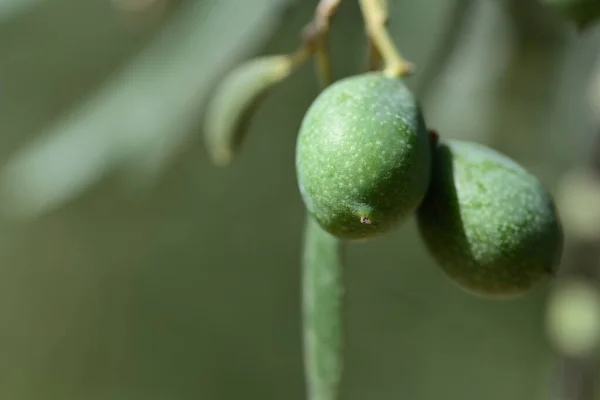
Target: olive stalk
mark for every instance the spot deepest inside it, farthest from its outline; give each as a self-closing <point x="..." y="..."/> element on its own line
<point x="322" y="289"/>
<point x="316" y="38"/>
<point x="315" y="41"/>
<point x="376" y="17"/>
<point x="374" y="56"/>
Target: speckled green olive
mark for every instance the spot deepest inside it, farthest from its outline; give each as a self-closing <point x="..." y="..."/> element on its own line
<point x="584" y="13"/>
<point x="489" y="224"/>
<point x="363" y="156"/>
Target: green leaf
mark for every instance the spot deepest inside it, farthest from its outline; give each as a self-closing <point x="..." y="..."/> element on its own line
<point x="235" y="100"/>
<point x="322" y="312"/>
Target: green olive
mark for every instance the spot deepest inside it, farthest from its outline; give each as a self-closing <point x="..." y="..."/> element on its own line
<point x="489" y="224"/>
<point x="363" y="156"/>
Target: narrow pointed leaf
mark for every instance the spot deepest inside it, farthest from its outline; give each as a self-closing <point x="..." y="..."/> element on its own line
<point x="234" y="101"/>
<point x="322" y="311"/>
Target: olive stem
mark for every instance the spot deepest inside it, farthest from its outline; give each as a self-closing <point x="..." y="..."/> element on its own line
<point x="322" y="290"/>
<point x="374" y="57"/>
<point x="376" y="16"/>
<point x="301" y="56"/>
<point x="374" y="53"/>
<point x="316" y="38"/>
<point x="323" y="61"/>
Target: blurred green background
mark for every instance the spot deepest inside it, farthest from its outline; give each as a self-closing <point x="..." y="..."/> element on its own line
<point x="131" y="268"/>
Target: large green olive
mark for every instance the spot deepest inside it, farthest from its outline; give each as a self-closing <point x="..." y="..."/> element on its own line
<point x="363" y="156"/>
<point x="491" y="225"/>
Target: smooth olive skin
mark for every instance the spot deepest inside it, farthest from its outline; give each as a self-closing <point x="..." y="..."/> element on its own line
<point x="490" y="225"/>
<point x="363" y="156"/>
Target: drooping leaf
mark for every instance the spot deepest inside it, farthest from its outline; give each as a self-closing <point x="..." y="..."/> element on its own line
<point x="234" y="101"/>
<point x="322" y="287"/>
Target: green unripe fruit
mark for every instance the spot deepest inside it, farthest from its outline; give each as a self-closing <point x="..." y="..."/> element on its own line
<point x="363" y="156"/>
<point x="584" y="13"/>
<point x="490" y="225"/>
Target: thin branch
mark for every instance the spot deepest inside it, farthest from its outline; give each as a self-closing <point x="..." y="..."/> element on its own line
<point x="316" y="38"/>
<point x="376" y="17"/>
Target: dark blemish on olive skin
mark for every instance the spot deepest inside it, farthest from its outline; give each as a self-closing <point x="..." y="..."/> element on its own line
<point x="365" y="220"/>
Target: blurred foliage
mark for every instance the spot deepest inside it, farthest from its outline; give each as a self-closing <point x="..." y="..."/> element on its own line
<point x="574" y="318"/>
<point x="190" y="288"/>
<point x="10" y="9"/>
<point x="159" y="91"/>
